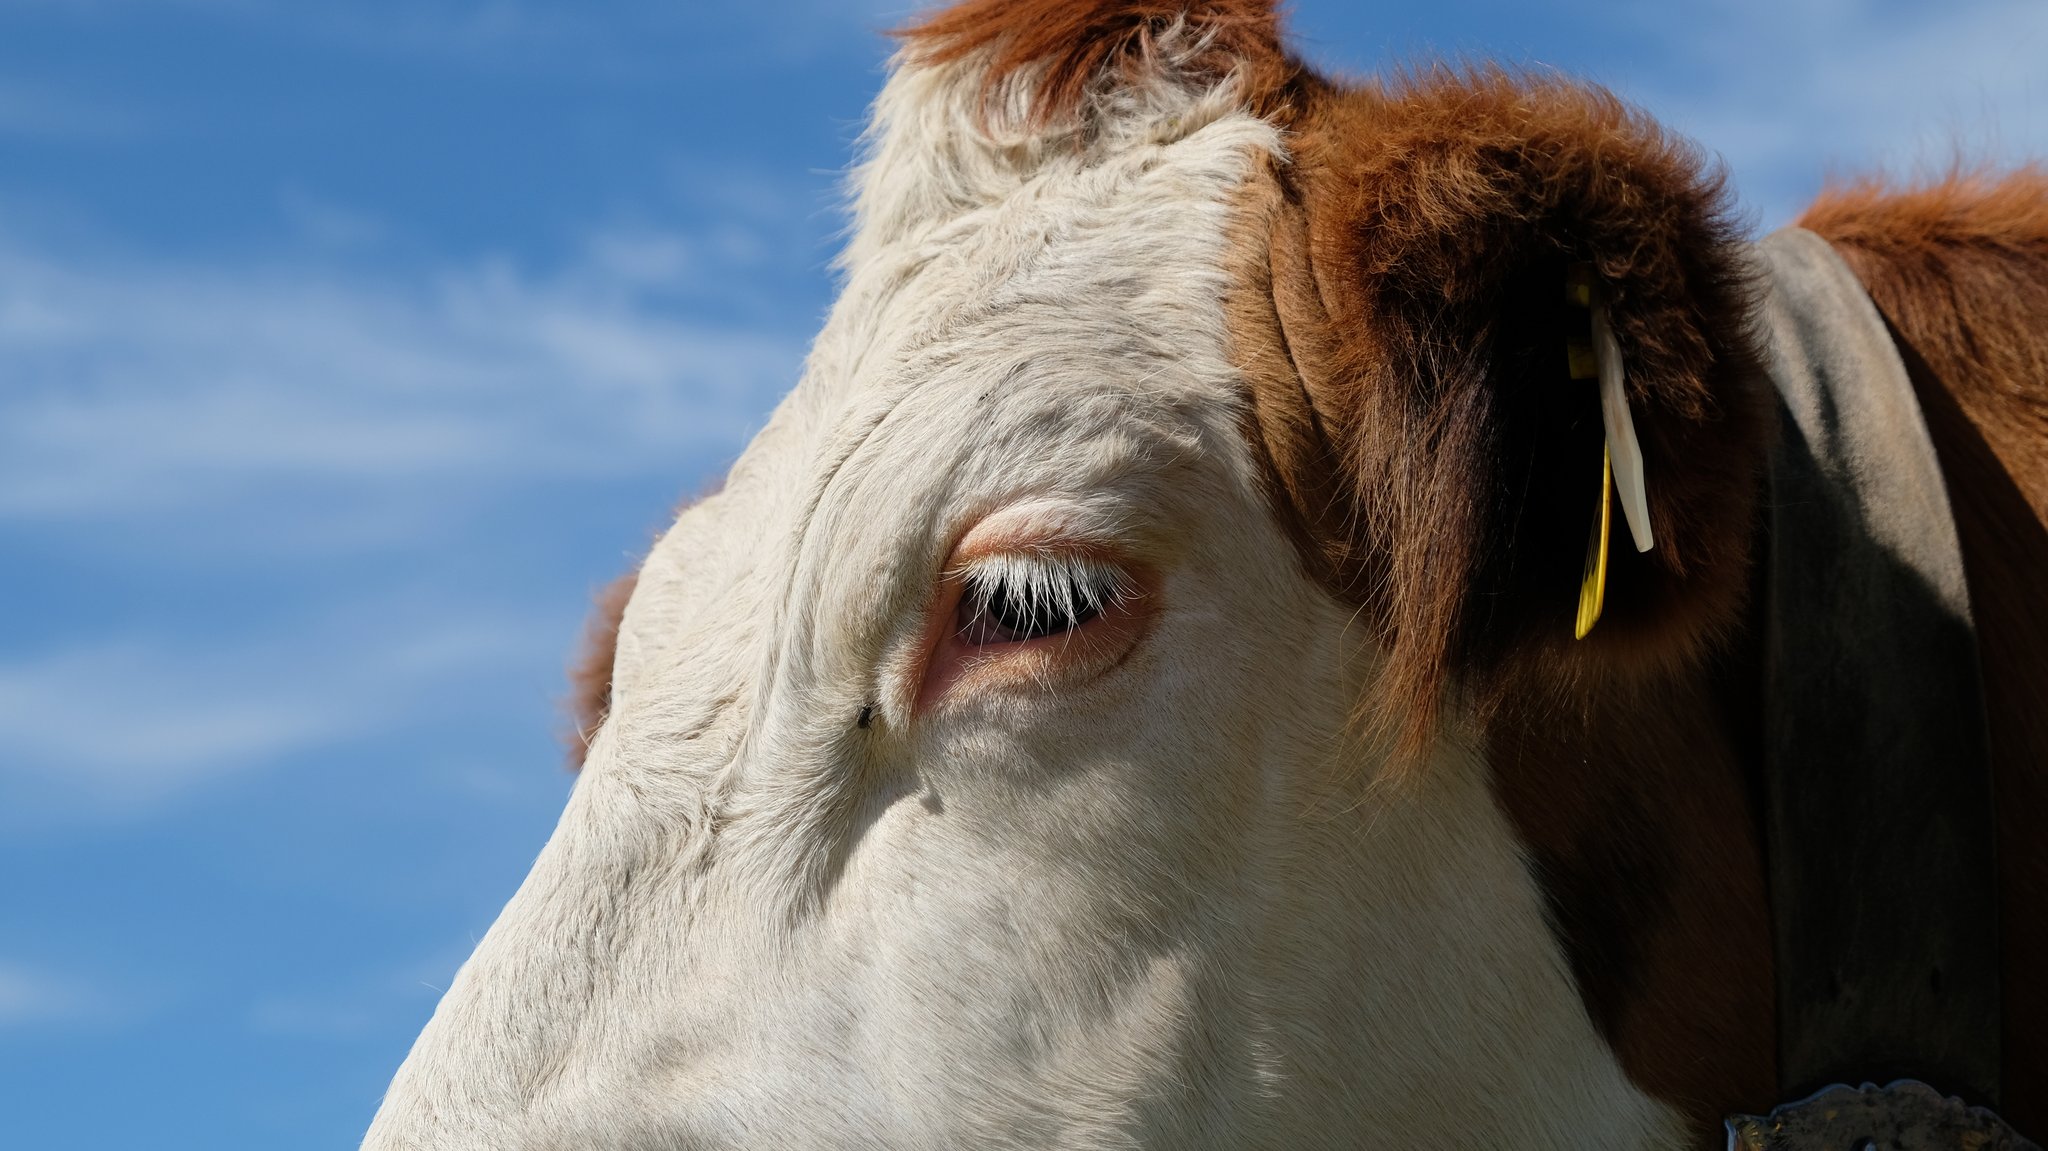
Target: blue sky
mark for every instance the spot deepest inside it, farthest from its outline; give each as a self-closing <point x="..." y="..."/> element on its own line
<point x="345" y="348"/>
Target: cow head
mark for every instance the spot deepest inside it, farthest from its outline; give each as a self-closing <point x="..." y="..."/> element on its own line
<point x="1064" y="726"/>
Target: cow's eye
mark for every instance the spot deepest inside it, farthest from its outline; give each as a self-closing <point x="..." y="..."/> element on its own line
<point x="1014" y="599"/>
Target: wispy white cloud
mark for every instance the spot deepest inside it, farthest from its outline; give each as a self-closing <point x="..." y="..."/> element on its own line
<point x="128" y="723"/>
<point x="118" y="727"/>
<point x="1791" y="91"/>
<point x="36" y="110"/>
<point x="143" y="387"/>
<point x="188" y="416"/>
<point x="550" y="32"/>
<point x="34" y="997"/>
<point x="633" y="37"/>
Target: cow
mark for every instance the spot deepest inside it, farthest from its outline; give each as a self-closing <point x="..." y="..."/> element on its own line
<point x="1132" y="692"/>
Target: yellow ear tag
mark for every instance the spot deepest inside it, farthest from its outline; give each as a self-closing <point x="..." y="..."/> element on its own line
<point x="1593" y="585"/>
<point x="1621" y="456"/>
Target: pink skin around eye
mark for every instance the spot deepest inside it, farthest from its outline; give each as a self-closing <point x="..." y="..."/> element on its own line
<point x="955" y="665"/>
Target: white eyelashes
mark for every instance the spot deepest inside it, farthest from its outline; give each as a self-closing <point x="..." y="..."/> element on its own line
<point x="1012" y="597"/>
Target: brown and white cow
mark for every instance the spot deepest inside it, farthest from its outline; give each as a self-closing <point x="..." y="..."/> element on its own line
<point x="1127" y="695"/>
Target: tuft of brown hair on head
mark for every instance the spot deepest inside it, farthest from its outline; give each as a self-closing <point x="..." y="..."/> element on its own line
<point x="590" y="673"/>
<point x="1064" y="47"/>
<point x="1427" y="437"/>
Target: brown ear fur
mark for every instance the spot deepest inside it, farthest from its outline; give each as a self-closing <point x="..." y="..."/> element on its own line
<point x="590" y="674"/>
<point x="1061" y="48"/>
<point x="1444" y="469"/>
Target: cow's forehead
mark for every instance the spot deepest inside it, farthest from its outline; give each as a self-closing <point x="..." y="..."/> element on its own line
<point x="1082" y="242"/>
<point x="1063" y="332"/>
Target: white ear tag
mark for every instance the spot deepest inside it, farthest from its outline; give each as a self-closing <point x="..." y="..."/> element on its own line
<point x="1622" y="449"/>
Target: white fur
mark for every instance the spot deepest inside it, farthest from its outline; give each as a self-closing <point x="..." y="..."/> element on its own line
<point x="1173" y="906"/>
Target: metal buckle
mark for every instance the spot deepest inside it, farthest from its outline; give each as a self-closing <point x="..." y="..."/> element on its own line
<point x="1905" y="1115"/>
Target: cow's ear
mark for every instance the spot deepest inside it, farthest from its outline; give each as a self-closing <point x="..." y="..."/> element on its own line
<point x="1435" y="441"/>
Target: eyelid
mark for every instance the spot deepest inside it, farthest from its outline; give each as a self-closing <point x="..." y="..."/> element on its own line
<point x="1041" y="527"/>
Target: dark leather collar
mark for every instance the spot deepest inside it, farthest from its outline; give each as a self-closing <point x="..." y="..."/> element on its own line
<point x="1877" y="780"/>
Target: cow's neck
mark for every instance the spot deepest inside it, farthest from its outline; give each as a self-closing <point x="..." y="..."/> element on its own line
<point x="1638" y="813"/>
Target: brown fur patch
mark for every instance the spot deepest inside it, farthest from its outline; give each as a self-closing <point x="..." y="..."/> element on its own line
<point x="1444" y="465"/>
<point x="590" y="674"/>
<point x="1398" y="306"/>
<point x="1959" y="269"/>
<point x="1063" y="48"/>
<point x="1636" y="813"/>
